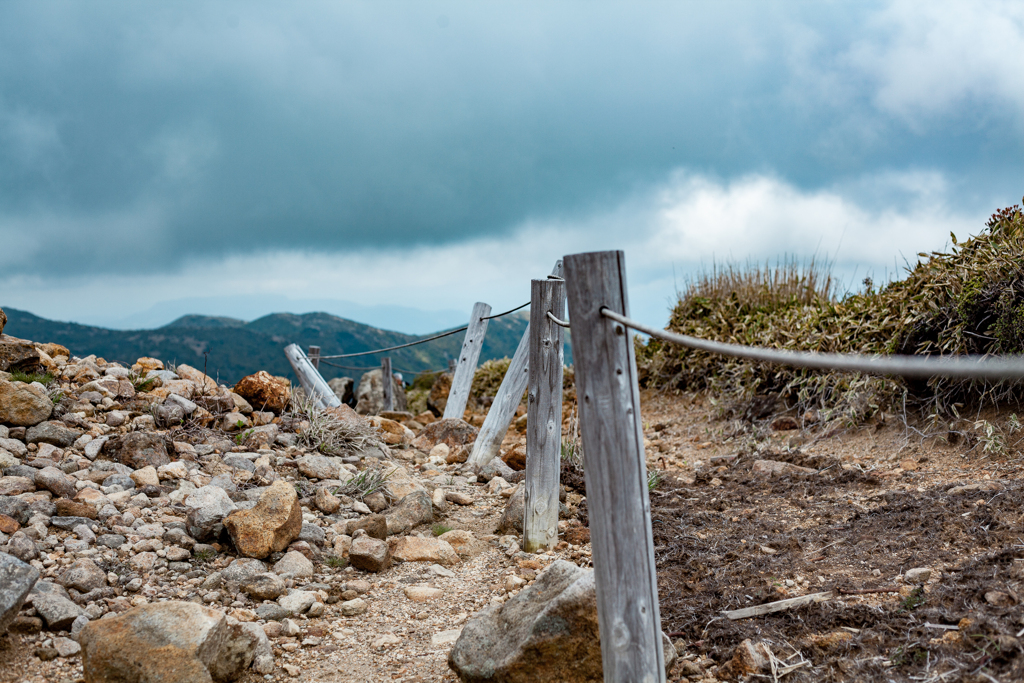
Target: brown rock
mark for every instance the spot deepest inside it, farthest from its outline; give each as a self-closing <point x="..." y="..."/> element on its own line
<point x="326" y="502"/>
<point x="205" y="383"/>
<point x="3" y="320"/>
<point x="166" y="642"/>
<point x="141" y="449"/>
<point x="263" y="391"/>
<point x="452" y="432"/>
<point x="270" y="526"/>
<point x="515" y="457"/>
<point x="426" y="417"/>
<point x="71" y="508"/>
<point x="18" y="354"/>
<point x="392" y="433"/>
<point x="8" y="525"/>
<point x="458" y="455"/>
<point x="437" y="399"/>
<point x="23" y="404"/>
<point x="784" y="423"/>
<point x="749" y="658"/>
<point x="375" y="526"/>
<point x="413" y="549"/>
<point x="145" y="364"/>
<point x="369" y="554"/>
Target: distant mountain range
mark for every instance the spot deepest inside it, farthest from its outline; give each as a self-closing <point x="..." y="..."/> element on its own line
<point x="232" y="349"/>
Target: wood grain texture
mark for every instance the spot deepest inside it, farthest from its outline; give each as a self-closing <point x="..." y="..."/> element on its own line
<point x="544" y="416"/>
<point x="310" y="379"/>
<point x="615" y="470"/>
<point x="472" y="343"/>
<point x="314" y="356"/>
<point x="506" y="402"/>
<point x="387" y="383"/>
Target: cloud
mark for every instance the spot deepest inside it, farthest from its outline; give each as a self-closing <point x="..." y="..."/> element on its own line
<point x="686" y="222"/>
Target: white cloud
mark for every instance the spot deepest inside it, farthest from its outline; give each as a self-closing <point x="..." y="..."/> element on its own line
<point x="669" y="231"/>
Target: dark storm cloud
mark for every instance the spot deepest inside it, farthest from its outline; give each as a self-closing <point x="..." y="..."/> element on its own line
<point x="136" y="135"/>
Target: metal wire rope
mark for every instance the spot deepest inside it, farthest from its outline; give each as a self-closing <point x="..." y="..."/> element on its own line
<point x="964" y="367"/>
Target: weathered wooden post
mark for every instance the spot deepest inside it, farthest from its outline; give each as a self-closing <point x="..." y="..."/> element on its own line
<point x="462" y="382"/>
<point x="544" y="416"/>
<point x="314" y="356"/>
<point x="510" y="393"/>
<point x="451" y="365"/>
<point x="388" y="383"/>
<point x="615" y="470"/>
<point x="310" y="379"/>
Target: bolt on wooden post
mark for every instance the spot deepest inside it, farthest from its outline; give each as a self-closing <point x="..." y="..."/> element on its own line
<point x="388" y="383"/>
<point x="615" y="470"/>
<point x="544" y="416"/>
<point x="472" y="343"/>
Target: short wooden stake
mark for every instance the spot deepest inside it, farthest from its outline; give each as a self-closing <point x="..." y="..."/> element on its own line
<point x="388" y="381"/>
<point x="615" y="470"/>
<point x="506" y="402"/>
<point x="472" y="343"/>
<point x="314" y="356"/>
<point x="310" y="379"/>
<point x="544" y="417"/>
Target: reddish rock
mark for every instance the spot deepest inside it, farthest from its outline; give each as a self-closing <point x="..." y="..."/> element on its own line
<point x="270" y="526"/>
<point x="74" y="508"/>
<point x="8" y="525"/>
<point x="515" y="457"/>
<point x="263" y="391"/>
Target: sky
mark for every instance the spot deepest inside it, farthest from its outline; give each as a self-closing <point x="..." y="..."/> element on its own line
<point x="396" y="162"/>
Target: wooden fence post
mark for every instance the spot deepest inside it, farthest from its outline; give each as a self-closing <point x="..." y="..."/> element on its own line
<point x="510" y="393"/>
<point x="310" y="379"/>
<point x="314" y="356"/>
<point x="544" y="416"/>
<point x="462" y="382"/>
<point x="615" y="470"/>
<point x="388" y="382"/>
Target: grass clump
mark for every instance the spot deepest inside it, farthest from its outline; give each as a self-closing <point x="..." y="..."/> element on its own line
<point x="336" y="562"/>
<point x="439" y="529"/>
<point x="29" y="377"/>
<point x="325" y="432"/>
<point x="367" y="482"/>
<point x="967" y="301"/>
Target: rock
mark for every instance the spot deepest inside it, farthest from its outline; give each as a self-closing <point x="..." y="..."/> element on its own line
<point x="141" y="449"/>
<point x="437" y="399"/>
<point x="14" y="486"/>
<point x="375" y="502"/>
<point x="233" y="422"/>
<point x="55" y="433"/>
<point x="438" y="501"/>
<point x="512" y="519"/>
<point x="375" y="526"/>
<point x="56" y="482"/>
<point x="265" y="586"/>
<point x="547" y="632"/>
<point x="166" y="642"/>
<point x="917" y="576"/>
<point x="56" y="610"/>
<point x="243" y="569"/>
<point x="66" y="647"/>
<point x="18" y="354"/>
<point x="16" y="580"/>
<point x="784" y="423"/>
<point x="15" y="508"/>
<point x="749" y="658"/>
<point x="17" y="448"/>
<point x="369" y="554"/>
<point x="74" y="508"/>
<point x="391" y="432"/>
<point x="3" y="320"/>
<point x="459" y="498"/>
<point x="411" y="511"/>
<point x="270" y="526"/>
<point x="173" y="470"/>
<point x="422" y="593"/>
<point x="451" y="432"/>
<point x="83" y="575"/>
<point x="23" y="404"/>
<point x="206" y="509"/>
<point x="370" y="394"/>
<point x="263" y="391"/>
<point x="354" y="607"/>
<point x="297" y="602"/>
<point x="322" y="467"/>
<point x="774" y="468"/>
<point x="458" y="539"/>
<point x="325" y="501"/>
<point x="343" y="389"/>
<point x="515" y="457"/>
<point x="413" y="549"/>
<point x="22" y="547"/>
<point x="400" y="483"/>
<point x="445" y="638"/>
<point x="294" y="565"/>
<point x="8" y="525"/>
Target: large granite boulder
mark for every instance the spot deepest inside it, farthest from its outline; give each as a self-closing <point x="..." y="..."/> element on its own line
<point x="166" y="642"/>
<point x="547" y="632"/>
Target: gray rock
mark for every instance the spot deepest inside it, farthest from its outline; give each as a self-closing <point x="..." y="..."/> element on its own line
<point x="16" y="580"/>
<point x="22" y="547"/>
<point x="186" y="405"/>
<point x="14" y="446"/>
<point x="272" y="612"/>
<point x="111" y="540"/>
<point x="170" y="642"/>
<point x="320" y="467"/>
<point x="15" y="508"/>
<point x="57" y="611"/>
<point x="547" y="632"/>
<point x="69" y="523"/>
<point x="294" y="565"/>
<point x="354" y="607"/>
<point x="83" y="575"/>
<point x="297" y="602"/>
<point x="207" y="507"/>
<point x="264" y="586"/>
<point x="311" y="533"/>
<point x="55" y="433"/>
<point x="141" y="449"/>
<point x="263" y="660"/>
<point x="118" y="479"/>
<point x="917" y="576"/>
<point x="239" y="463"/>
<point x="243" y="569"/>
<point x="512" y="519"/>
<point x="66" y="647"/>
<point x="411" y="511"/>
<point x="93" y="448"/>
<point x="343" y="389"/>
<point x="165" y="415"/>
<point x="56" y="482"/>
<point x="496" y="467"/>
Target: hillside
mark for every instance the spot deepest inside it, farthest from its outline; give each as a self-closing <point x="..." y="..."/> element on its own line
<point x="234" y="348"/>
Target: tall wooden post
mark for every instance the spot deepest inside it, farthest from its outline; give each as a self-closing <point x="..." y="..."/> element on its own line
<point x="314" y="356"/>
<point x="544" y="416"/>
<point x="472" y="343"/>
<point x="615" y="470"/>
<point x="310" y="379"/>
<point x="506" y="402"/>
<point x="388" y="383"/>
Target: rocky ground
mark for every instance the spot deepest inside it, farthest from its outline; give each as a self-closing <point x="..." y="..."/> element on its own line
<point x="332" y="546"/>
